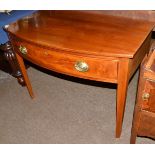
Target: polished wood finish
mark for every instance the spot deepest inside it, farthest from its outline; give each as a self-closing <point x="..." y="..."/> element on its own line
<point x="148" y="15"/>
<point x="112" y="47"/>
<point x="100" y="69"/>
<point x="24" y="73"/>
<point x="144" y="115"/>
<point x="137" y="59"/>
<point x="123" y="78"/>
<point x="74" y="32"/>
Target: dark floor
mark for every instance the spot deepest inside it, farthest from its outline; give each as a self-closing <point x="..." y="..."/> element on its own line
<point x="63" y="111"/>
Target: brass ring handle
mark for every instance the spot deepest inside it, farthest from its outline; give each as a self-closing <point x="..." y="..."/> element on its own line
<point x="23" y="50"/>
<point x="81" y="66"/>
<point x="145" y="96"/>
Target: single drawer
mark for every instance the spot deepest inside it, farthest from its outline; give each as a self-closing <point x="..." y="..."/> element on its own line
<point x="99" y="69"/>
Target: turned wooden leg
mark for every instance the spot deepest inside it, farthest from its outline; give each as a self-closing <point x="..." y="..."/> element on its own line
<point x="24" y="73"/>
<point x="123" y="73"/>
<point x="11" y="58"/>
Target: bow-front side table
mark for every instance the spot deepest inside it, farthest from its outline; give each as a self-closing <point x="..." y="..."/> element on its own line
<point x="86" y="45"/>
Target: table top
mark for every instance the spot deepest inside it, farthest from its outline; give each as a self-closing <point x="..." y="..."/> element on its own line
<point x="83" y="32"/>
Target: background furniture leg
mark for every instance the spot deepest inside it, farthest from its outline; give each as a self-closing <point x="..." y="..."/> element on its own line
<point x="137" y="109"/>
<point x="11" y="58"/>
<point x="135" y="125"/>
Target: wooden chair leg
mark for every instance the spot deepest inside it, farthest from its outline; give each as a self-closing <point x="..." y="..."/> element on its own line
<point x="25" y="76"/>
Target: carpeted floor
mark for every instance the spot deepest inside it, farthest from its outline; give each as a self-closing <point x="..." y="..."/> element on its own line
<point x="64" y="111"/>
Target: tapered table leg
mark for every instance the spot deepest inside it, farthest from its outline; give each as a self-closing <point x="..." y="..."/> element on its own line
<point x="123" y="76"/>
<point x="11" y="58"/>
<point x="24" y="73"/>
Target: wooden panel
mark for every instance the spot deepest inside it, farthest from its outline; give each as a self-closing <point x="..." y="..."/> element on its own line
<point x="104" y="69"/>
<point x="148" y="15"/>
<point x="152" y="100"/>
<point x="147" y="124"/>
<point x="137" y="59"/>
<point x="149" y="104"/>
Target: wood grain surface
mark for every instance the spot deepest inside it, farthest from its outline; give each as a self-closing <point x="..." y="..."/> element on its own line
<point x="88" y="33"/>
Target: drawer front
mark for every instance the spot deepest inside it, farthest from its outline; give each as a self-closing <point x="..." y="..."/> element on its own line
<point x="104" y="69"/>
<point x="149" y="96"/>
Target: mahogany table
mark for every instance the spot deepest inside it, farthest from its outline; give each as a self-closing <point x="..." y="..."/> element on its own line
<point x="86" y="45"/>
